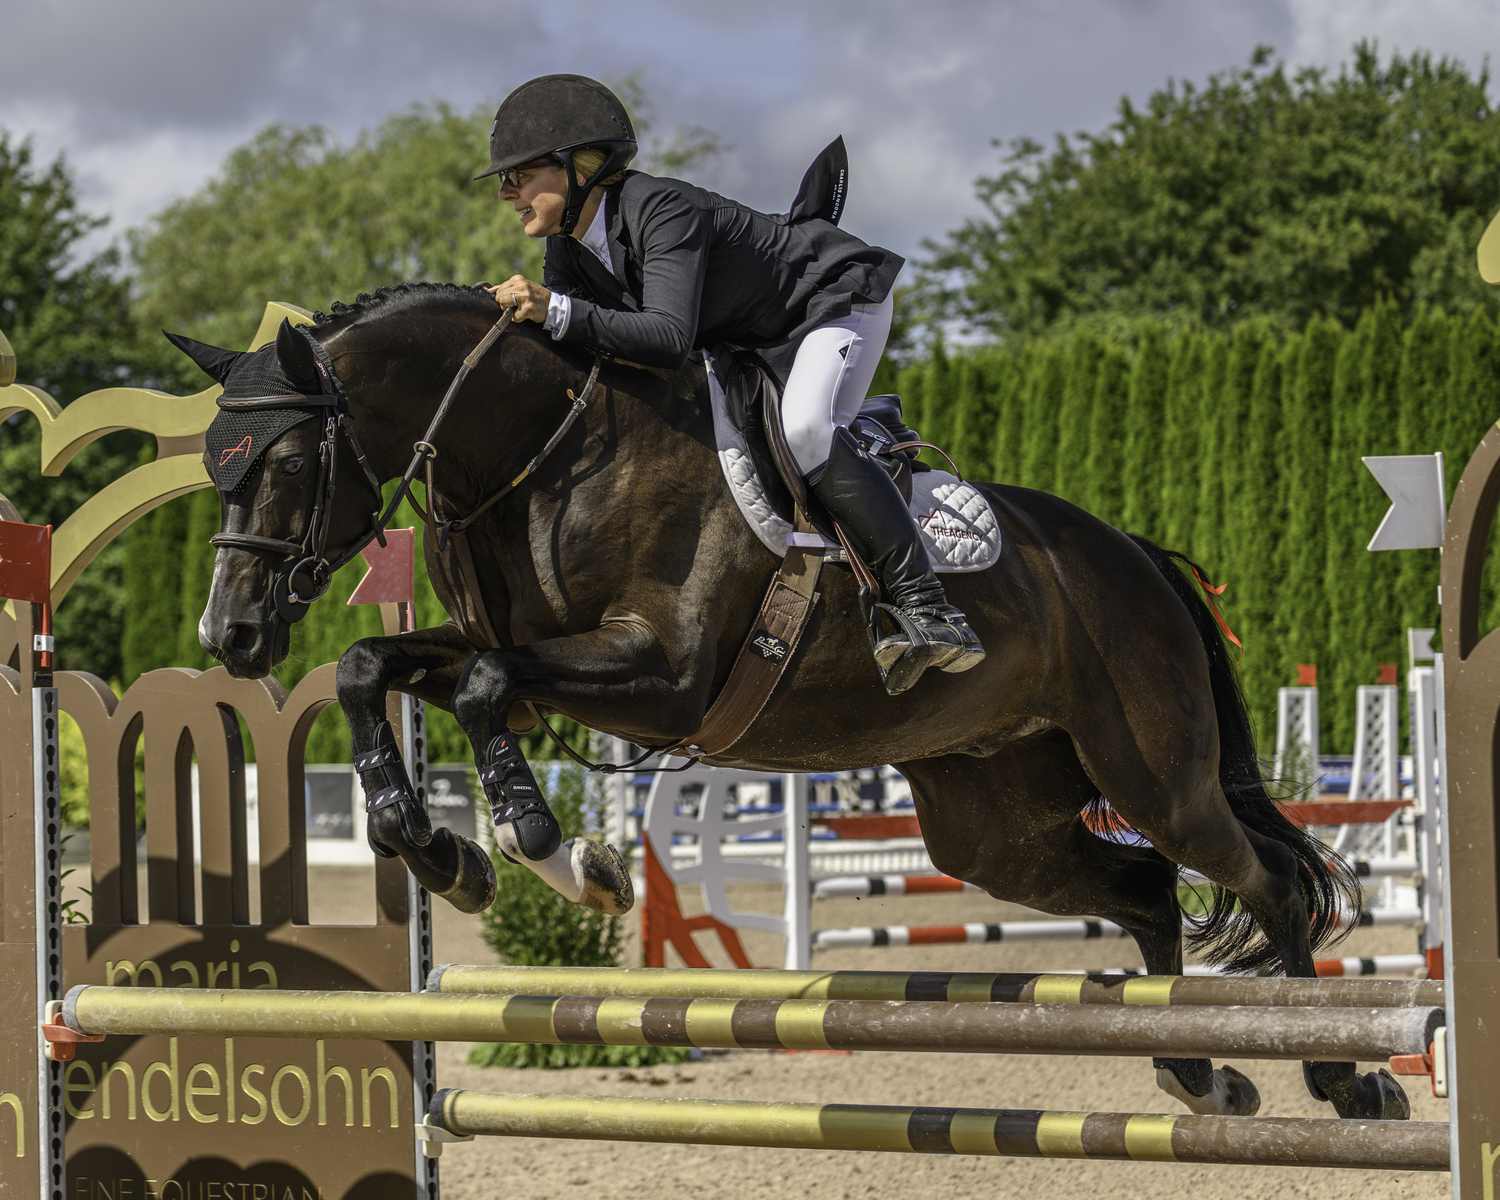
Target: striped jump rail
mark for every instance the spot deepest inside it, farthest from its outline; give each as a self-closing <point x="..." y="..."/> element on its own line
<point x="1327" y="968"/>
<point x="864" y="886"/>
<point x="1013" y="1133"/>
<point x="1339" y="1034"/>
<point x="951" y="986"/>
<point x="865" y="937"/>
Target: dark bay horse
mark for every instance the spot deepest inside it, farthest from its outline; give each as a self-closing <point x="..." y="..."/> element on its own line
<point x="621" y="580"/>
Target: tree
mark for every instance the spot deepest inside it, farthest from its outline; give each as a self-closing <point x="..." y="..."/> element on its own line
<point x="1150" y="377"/>
<point x="1041" y="400"/>
<point x="1005" y="380"/>
<point x="68" y="318"/>
<point x="1284" y="194"/>
<point x="1208" y="514"/>
<point x="1423" y="387"/>
<point x="295" y="216"/>
<point x="1302" y="601"/>
<point x="1346" y="635"/>
<point x="1259" y="509"/>
<point x="1181" y="419"/>
<point x="1081" y="380"/>
<point x="1105" y="469"/>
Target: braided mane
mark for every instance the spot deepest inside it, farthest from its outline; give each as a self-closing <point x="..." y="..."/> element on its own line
<point x="397" y="297"/>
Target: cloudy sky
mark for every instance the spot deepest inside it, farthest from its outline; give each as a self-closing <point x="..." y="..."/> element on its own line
<point x="147" y="98"/>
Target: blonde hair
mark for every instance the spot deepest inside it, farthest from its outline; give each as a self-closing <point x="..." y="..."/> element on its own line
<point x="586" y="162"/>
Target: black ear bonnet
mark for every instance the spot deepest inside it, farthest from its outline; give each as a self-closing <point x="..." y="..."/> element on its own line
<point x="237" y="440"/>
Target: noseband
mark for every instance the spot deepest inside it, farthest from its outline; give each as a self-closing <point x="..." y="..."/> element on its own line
<point x="311" y="571"/>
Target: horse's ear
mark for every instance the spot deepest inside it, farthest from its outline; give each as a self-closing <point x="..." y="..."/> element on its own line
<point x="214" y="361"/>
<point x="296" y="356"/>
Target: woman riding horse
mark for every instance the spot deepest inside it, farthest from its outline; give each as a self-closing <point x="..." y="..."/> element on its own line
<point x="650" y="269"/>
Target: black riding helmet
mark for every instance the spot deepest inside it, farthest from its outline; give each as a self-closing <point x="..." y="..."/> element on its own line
<point x="551" y="117"/>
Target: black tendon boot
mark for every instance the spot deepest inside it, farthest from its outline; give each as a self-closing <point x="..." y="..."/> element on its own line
<point x="930" y="632"/>
<point x="393" y="812"/>
<point x="514" y="796"/>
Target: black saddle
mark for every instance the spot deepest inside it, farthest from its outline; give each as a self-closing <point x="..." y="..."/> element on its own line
<point x="752" y="390"/>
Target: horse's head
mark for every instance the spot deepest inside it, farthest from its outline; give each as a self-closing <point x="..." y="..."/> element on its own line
<point x="271" y="453"/>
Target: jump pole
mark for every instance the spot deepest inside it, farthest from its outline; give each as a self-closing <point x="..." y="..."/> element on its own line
<point x="1327" y="968"/>
<point x="1338" y="1034"/>
<point x="950" y="986"/>
<point x="1013" y="1133"/>
<point x="866" y="937"/>
<point x="862" y="886"/>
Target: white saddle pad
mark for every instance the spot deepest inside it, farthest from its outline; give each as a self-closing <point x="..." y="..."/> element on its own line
<point x="957" y="523"/>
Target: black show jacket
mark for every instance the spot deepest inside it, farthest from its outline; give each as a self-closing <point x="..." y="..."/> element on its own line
<point x="693" y="269"/>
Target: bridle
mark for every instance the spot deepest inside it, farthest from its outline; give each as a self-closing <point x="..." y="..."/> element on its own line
<point x="308" y="556"/>
<point x="311" y="570"/>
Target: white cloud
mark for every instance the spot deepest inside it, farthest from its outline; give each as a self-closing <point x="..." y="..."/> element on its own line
<point x="148" y="98"/>
<point x="1324" y="30"/>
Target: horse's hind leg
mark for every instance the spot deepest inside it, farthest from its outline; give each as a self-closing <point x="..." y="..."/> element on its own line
<point x="425" y="664"/>
<point x="1012" y="824"/>
<point x="1182" y="808"/>
<point x="583" y="671"/>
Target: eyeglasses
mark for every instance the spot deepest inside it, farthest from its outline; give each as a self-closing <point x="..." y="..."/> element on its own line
<point x="512" y="177"/>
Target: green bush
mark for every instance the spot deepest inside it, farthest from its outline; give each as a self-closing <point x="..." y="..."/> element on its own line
<point x="530" y="925"/>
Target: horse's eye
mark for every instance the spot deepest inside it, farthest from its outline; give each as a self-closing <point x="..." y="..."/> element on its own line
<point x="291" y="466"/>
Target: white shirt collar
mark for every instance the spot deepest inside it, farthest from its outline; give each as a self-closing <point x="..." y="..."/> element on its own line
<point x="596" y="239"/>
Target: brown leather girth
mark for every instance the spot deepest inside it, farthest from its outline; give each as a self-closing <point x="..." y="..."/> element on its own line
<point x="767" y="651"/>
<point x="476" y="622"/>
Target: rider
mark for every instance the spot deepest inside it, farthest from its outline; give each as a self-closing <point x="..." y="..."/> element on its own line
<point x="651" y="269"/>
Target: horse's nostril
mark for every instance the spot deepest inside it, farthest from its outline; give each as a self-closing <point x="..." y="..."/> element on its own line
<point x="242" y="640"/>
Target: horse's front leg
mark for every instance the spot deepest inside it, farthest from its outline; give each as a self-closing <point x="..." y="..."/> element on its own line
<point x="426" y="664"/>
<point x="597" y="678"/>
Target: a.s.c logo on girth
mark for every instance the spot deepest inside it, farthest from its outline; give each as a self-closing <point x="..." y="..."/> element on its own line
<point x="242" y="448"/>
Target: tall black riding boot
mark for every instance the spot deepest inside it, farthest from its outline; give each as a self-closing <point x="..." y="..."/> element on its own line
<point x="865" y="502"/>
<point x="514" y="795"/>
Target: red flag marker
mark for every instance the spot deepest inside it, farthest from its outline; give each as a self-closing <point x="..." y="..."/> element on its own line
<point x="1387" y="673"/>
<point x="1307" y="675"/>
<point x="26" y="562"/>
<point x="26" y="577"/>
<point x="392" y="577"/>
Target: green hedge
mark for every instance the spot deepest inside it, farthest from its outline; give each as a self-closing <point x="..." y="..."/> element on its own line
<point x="1242" y="450"/>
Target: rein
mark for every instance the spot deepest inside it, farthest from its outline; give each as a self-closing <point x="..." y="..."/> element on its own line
<point x="292" y="596"/>
<point x="309" y="556"/>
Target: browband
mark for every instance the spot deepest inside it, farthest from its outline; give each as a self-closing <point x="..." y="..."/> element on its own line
<point x="283" y="400"/>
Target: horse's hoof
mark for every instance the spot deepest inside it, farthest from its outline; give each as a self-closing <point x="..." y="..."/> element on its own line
<point x="606" y="882"/>
<point x="472" y="889"/>
<point x="1373" y="1097"/>
<point x="1394" y="1106"/>
<point x="1232" y="1094"/>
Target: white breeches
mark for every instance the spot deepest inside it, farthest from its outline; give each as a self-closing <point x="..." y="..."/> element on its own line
<point x="830" y="379"/>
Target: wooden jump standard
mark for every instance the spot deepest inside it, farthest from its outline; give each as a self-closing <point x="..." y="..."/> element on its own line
<point x="1017" y="1133"/>
<point x="954" y="987"/>
<point x="1345" y="1034"/>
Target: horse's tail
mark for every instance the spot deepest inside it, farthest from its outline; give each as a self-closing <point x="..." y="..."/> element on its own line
<point x="1328" y="884"/>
